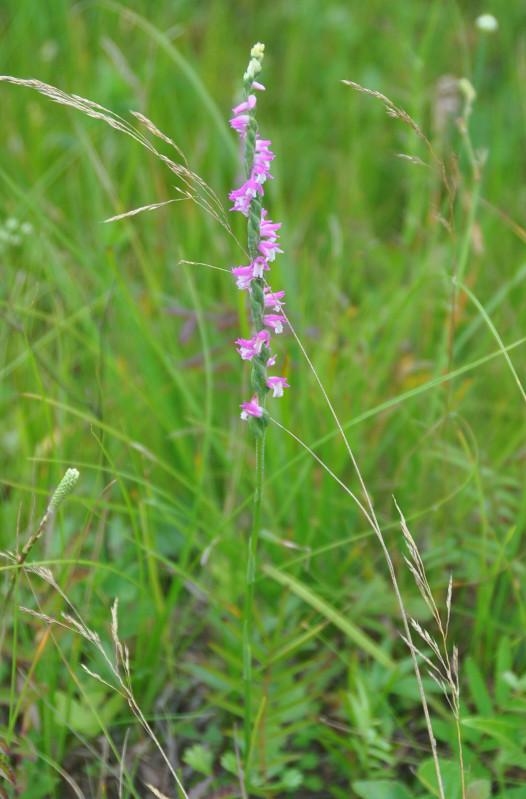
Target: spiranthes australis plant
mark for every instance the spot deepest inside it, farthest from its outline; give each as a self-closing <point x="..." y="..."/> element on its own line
<point x="262" y="248"/>
<point x="268" y="320"/>
<point x="265" y="306"/>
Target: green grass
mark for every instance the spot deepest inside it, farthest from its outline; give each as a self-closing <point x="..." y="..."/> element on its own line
<point x="118" y="360"/>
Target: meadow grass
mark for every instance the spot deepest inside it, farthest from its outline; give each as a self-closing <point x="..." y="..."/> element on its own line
<point x="118" y="359"/>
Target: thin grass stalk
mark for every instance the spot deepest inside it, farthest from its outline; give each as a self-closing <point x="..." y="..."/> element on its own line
<point x="371" y="518"/>
<point x="460" y="263"/>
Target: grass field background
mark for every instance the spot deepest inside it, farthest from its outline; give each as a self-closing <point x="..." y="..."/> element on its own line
<point x="117" y="359"/>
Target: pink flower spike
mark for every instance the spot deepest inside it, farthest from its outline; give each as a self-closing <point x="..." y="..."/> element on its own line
<point x="247" y="106"/>
<point x="273" y="298"/>
<point x="248" y="347"/>
<point x="256" y="85"/>
<point x="245" y="274"/>
<point x="267" y="226"/>
<point x="277" y="384"/>
<point x="262" y="147"/>
<point x="268" y="244"/>
<point x="242" y="197"/>
<point x="261" y="172"/>
<point x="243" y="283"/>
<point x="259" y="266"/>
<point x="240" y="123"/>
<point x="251" y="408"/>
<point x="262" y="158"/>
<point x="268" y="248"/>
<point x="275" y="321"/>
<point x="262" y="152"/>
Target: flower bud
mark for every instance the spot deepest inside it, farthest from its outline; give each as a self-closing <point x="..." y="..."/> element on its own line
<point x="65" y="487"/>
<point x="487" y="23"/>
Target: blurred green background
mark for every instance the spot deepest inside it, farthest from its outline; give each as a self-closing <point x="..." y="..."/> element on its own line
<point x="119" y="360"/>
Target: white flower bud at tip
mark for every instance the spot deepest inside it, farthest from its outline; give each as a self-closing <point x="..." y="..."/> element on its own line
<point x="258" y="51"/>
<point x="487" y="23"/>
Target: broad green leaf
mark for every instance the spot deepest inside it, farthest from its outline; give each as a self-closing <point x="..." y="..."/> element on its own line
<point x="353" y="632"/>
<point x="85" y="716"/>
<point x="229" y="763"/>
<point x="503" y="729"/>
<point x="478" y="789"/>
<point x="291" y="778"/>
<point x="451" y="779"/>
<point x="478" y="689"/>
<point x="199" y="758"/>
<point x="381" y="789"/>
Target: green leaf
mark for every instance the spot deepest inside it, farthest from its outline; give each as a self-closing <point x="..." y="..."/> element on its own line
<point x="258" y="425"/>
<point x="517" y="684"/>
<point x="479" y="789"/>
<point x="40" y="783"/>
<point x="381" y="789"/>
<point x="353" y="632"/>
<point x="451" y="778"/>
<point x="229" y="763"/>
<point x="503" y="729"/>
<point x="200" y="759"/>
<point x="502" y="666"/>
<point x="477" y="685"/>
<point x="291" y="779"/>
<point x="86" y="715"/>
<point x="505" y="733"/>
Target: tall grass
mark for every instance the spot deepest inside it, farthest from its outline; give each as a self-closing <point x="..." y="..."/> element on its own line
<point x="117" y="358"/>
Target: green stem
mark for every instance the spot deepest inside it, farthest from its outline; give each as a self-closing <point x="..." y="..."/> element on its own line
<point x="19" y="561"/>
<point x="249" y="604"/>
<point x="460" y="266"/>
<point x="470" y="222"/>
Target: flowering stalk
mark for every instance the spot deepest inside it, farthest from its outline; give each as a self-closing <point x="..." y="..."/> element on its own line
<point x="265" y="306"/>
<point x="65" y="487"/>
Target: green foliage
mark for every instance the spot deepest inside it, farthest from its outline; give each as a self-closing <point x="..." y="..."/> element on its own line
<point x="89" y="716"/>
<point x="117" y="358"/>
<point x="200" y="759"/>
<point x="380" y="789"/>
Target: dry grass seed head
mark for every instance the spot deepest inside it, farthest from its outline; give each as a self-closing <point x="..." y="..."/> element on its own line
<point x="399" y="113"/>
<point x="199" y="191"/>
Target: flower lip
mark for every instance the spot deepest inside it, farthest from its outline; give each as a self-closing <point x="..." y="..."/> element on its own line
<point x="277" y="384"/>
<point x="243" y="196"/>
<point x="273" y="298"/>
<point x="248" y="105"/>
<point x="275" y="321"/>
<point x="259" y="266"/>
<point x="267" y="226"/>
<point x="248" y="347"/>
<point x="240" y="123"/>
<point x="269" y="248"/>
<point x="245" y="274"/>
<point x="251" y="408"/>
